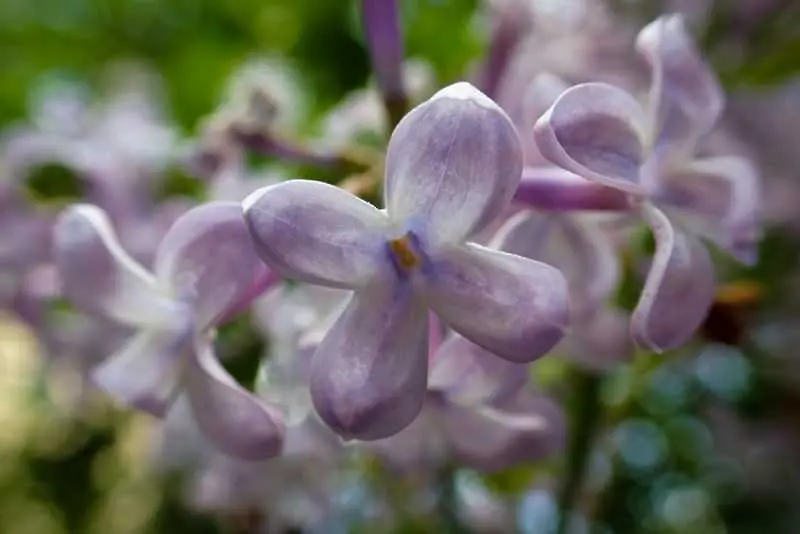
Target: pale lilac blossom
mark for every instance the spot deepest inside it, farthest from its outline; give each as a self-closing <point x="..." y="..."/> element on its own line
<point x="602" y="133"/>
<point x="203" y="269"/>
<point x="580" y="247"/>
<point x="452" y="165"/>
<point x="478" y="413"/>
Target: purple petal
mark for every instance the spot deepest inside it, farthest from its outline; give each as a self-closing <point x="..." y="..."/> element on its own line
<point x="575" y="246"/>
<point x="420" y="446"/>
<point x="436" y="332"/>
<point x="601" y="340"/>
<point x="385" y="39"/>
<point x="554" y="189"/>
<point x="462" y="370"/>
<point x="145" y="372"/>
<point x="452" y="164"/>
<point x="98" y="276"/>
<point x="234" y="420"/>
<point x="512" y="306"/>
<point x="685" y="94"/>
<point x="369" y="374"/>
<point x="207" y="258"/>
<point x="597" y="131"/>
<point x="679" y="289"/>
<point x="721" y="197"/>
<point x="317" y="233"/>
<point x="491" y="439"/>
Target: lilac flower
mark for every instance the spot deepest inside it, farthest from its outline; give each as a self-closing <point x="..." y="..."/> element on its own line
<point x="581" y="248"/>
<point x="603" y="134"/>
<point x="120" y="149"/>
<point x="204" y="268"/>
<point x="478" y="413"/>
<point x="297" y="485"/>
<point x="452" y="166"/>
<point x="294" y="319"/>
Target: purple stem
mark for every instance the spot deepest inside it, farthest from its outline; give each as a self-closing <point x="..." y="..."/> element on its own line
<point x="505" y="38"/>
<point x="381" y="20"/>
<point x="270" y="145"/>
<point x="552" y="189"/>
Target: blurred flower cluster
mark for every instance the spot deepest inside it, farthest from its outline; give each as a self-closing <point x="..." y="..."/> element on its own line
<point x="518" y="300"/>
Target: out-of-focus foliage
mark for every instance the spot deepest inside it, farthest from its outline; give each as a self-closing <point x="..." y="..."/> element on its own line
<point x="196" y="44"/>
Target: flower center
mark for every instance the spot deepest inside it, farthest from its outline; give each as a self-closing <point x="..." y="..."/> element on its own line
<point x="404" y="254"/>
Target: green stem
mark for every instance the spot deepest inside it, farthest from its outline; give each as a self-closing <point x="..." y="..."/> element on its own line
<point x="586" y="419"/>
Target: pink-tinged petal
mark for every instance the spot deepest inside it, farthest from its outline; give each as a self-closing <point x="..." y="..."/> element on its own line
<point x="369" y="374"/>
<point x="452" y="164"/>
<point x="554" y="189"/>
<point x="597" y="131"/>
<point x="510" y="305"/>
<point x="490" y="438"/>
<point x="679" y="289"/>
<point x="207" y="258"/>
<point x="464" y="371"/>
<point x="317" y="233"/>
<point x="145" y="372"/>
<point x="234" y="420"/>
<point x="98" y="276"/>
<point x="685" y="95"/>
<point x="721" y="200"/>
<point x="574" y="245"/>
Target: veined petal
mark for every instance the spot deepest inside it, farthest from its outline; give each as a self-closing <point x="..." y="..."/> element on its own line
<point x="721" y="198"/>
<point x="452" y="164"/>
<point x="685" y="95"/>
<point x="369" y="374"/>
<point x="679" y="289"/>
<point x="470" y="374"/>
<point x="490" y="438"/>
<point x="510" y="305"/>
<point x="207" y="258"/>
<point x="317" y="233"/>
<point x="575" y="246"/>
<point x="555" y="189"/>
<point x="234" y="420"/>
<point x="597" y="131"/>
<point x="145" y="372"/>
<point x="98" y="276"/>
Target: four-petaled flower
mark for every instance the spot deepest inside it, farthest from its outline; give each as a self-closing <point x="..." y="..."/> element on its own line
<point x="453" y="164"/>
<point x="603" y="134"/>
<point x="479" y="413"/>
<point x="204" y="270"/>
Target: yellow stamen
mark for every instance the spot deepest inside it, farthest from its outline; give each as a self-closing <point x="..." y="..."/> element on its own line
<point x="401" y="247"/>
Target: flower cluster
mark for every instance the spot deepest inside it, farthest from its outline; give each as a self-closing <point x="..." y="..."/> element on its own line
<point x="405" y="329"/>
